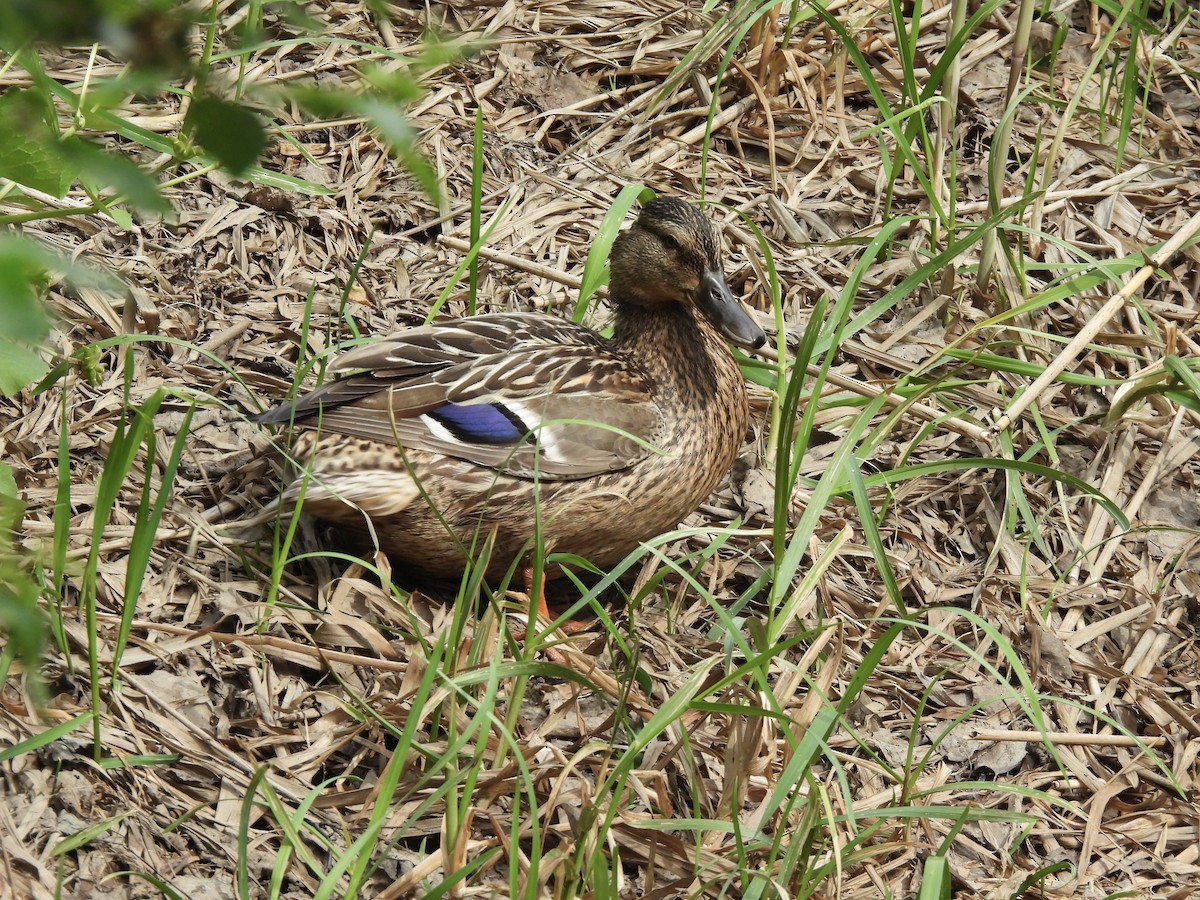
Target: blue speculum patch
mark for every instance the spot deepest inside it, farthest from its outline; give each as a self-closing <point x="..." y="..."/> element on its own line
<point x="480" y="423"/>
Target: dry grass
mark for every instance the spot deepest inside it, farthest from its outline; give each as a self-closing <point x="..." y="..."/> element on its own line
<point x="1020" y="586"/>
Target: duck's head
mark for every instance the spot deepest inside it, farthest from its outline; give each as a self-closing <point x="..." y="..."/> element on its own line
<point x="671" y="255"/>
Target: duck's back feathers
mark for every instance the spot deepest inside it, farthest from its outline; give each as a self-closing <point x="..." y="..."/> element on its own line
<point x="525" y="394"/>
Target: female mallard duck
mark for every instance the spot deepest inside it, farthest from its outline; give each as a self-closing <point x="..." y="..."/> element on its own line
<point x="443" y="433"/>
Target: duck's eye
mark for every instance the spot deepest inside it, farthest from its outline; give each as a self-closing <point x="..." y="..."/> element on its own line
<point x="669" y="242"/>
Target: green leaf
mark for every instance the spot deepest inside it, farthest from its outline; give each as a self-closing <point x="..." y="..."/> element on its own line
<point x="102" y="119"/>
<point x="44" y="738"/>
<point x="122" y="217"/>
<point x="101" y="170"/>
<point x="388" y="120"/>
<point x="230" y="132"/>
<point x="22" y="317"/>
<point x="19" y="366"/>
<point x="397" y="133"/>
<point x="595" y="270"/>
<point x="12" y="510"/>
<point x="151" y="34"/>
<point x="20" y="618"/>
<point x="85" y="836"/>
<point x="398" y="87"/>
<point x="28" y="152"/>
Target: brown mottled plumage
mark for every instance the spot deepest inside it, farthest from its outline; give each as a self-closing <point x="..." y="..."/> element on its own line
<point x="446" y="432"/>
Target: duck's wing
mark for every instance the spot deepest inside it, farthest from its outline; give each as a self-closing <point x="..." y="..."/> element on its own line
<point x="528" y="395"/>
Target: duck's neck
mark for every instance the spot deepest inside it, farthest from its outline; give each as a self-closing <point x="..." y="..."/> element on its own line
<point x="677" y="347"/>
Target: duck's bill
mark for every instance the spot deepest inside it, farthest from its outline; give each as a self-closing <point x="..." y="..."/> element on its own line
<point x="716" y="301"/>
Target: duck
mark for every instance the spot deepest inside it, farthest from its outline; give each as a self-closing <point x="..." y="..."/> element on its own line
<point x="505" y="428"/>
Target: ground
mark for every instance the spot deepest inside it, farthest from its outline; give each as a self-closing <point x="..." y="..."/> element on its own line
<point x="948" y="655"/>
